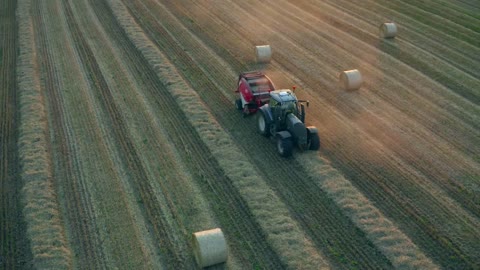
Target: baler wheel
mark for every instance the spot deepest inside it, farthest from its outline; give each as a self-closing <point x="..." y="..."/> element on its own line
<point x="238" y="104"/>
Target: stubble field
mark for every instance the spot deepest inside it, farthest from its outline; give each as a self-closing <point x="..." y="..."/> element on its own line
<point x="119" y="135"/>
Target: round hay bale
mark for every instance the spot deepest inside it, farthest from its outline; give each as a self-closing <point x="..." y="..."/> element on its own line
<point x="388" y="30"/>
<point x="209" y="247"/>
<point x="351" y="79"/>
<point x="263" y="53"/>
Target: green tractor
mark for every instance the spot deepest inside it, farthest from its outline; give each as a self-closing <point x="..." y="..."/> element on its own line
<point x="283" y="117"/>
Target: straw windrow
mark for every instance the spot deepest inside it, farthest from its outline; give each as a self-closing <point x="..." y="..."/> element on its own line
<point x="44" y="225"/>
<point x="390" y="240"/>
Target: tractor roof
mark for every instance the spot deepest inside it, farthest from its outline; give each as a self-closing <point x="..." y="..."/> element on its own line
<point x="283" y="95"/>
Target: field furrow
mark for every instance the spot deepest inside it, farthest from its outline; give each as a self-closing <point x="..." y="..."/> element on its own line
<point x="451" y="12"/>
<point x="462" y="7"/>
<point x="427" y="32"/>
<point x="467" y="5"/>
<point x="77" y="208"/>
<point x="425" y="17"/>
<point x="104" y="175"/>
<point x="91" y="190"/>
<point x="130" y="155"/>
<point x="7" y="135"/>
<point x="14" y="246"/>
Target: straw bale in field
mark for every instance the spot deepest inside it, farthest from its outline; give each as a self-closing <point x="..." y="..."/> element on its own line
<point x="263" y="53"/>
<point x="351" y="79"/>
<point x="388" y="30"/>
<point x="209" y="247"/>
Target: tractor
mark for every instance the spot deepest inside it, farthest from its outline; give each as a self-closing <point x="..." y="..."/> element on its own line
<point x="253" y="89"/>
<point x="283" y="118"/>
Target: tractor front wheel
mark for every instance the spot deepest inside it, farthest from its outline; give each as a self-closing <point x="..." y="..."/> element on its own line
<point x="263" y="125"/>
<point x="284" y="146"/>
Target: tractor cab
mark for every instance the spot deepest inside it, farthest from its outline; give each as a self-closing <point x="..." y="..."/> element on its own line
<point x="284" y="99"/>
<point x="283" y="102"/>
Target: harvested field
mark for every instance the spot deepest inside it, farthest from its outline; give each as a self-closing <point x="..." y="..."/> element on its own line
<point x="120" y="138"/>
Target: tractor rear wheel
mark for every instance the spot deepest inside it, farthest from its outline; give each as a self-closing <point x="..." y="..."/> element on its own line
<point x="284" y="146"/>
<point x="314" y="143"/>
<point x="238" y="104"/>
<point x="263" y="125"/>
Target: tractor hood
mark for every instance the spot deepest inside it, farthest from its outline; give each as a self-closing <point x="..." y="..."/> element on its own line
<point x="298" y="130"/>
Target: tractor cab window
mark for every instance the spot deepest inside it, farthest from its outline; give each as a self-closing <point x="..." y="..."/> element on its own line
<point x="276" y="107"/>
<point x="273" y="103"/>
<point x="289" y="106"/>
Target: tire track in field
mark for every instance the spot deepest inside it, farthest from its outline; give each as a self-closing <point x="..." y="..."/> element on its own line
<point x="79" y="212"/>
<point x="404" y="205"/>
<point x="100" y="173"/>
<point x="9" y="206"/>
<point x="463" y="11"/>
<point x="430" y="38"/>
<point x="452" y="29"/>
<point x="449" y="12"/>
<point x="376" y="14"/>
<point x="14" y="247"/>
<point x="422" y="51"/>
<point x="313" y="208"/>
<point x="469" y="5"/>
<point x="227" y="202"/>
